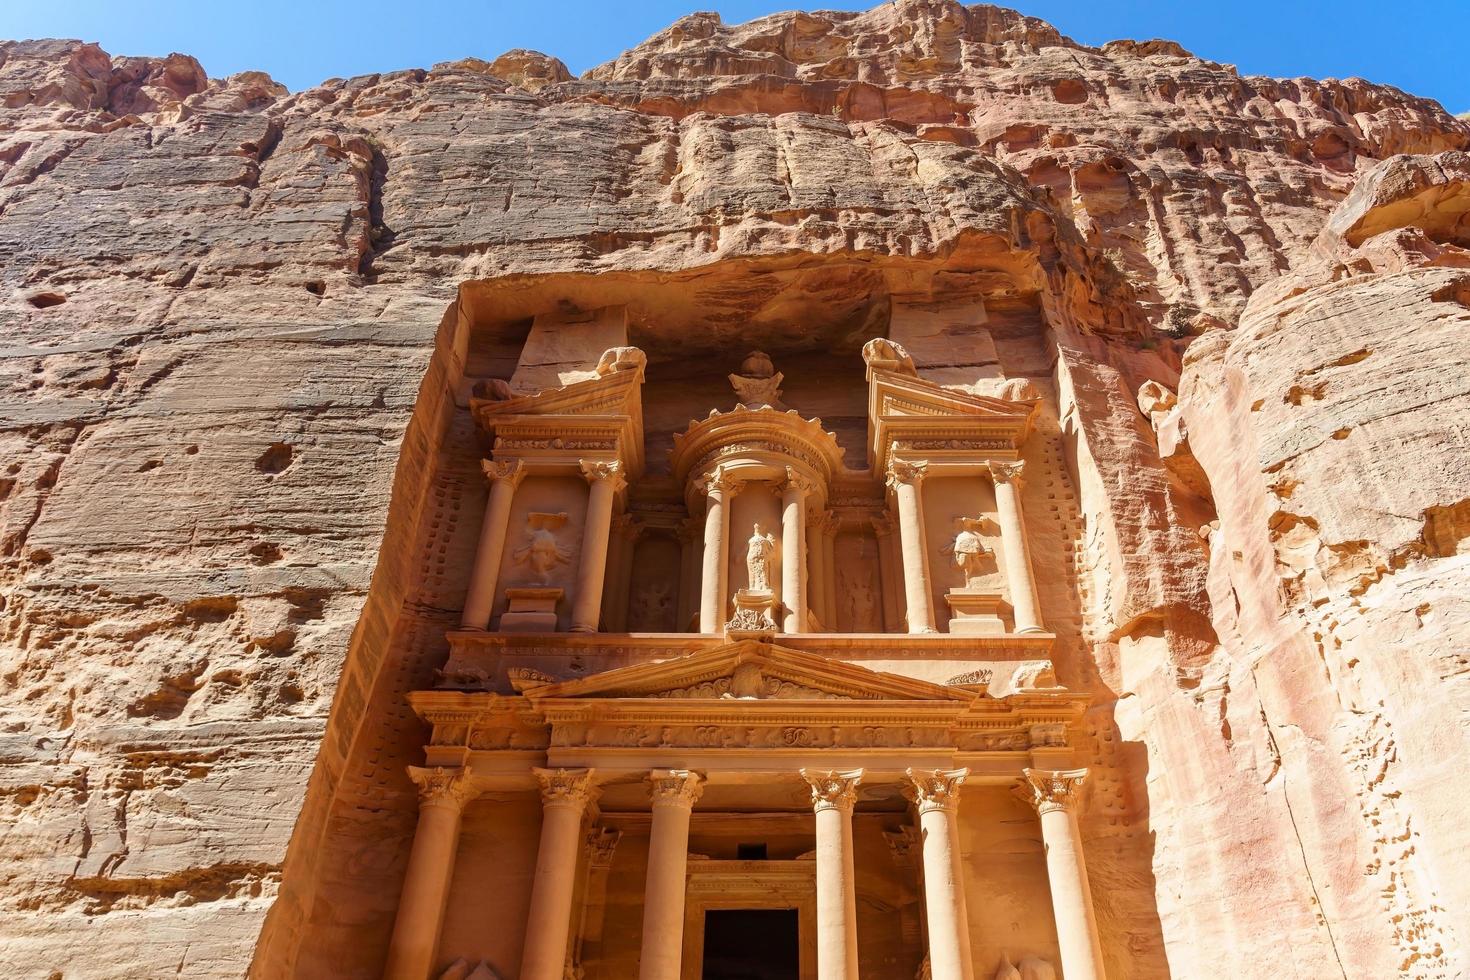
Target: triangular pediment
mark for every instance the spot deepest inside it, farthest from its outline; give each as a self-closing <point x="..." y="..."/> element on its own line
<point x="750" y="670"/>
<point x="933" y="418"/>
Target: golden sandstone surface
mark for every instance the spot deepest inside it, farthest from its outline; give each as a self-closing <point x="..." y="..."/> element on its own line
<point x="227" y="314"/>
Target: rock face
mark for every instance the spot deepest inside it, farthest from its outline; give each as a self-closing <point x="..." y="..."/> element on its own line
<point x="234" y="325"/>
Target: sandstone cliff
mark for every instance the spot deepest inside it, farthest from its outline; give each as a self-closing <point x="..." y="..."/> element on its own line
<point x="226" y="317"/>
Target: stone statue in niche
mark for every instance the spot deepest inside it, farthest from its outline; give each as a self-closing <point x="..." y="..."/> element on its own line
<point x="862" y="604"/>
<point x="971" y="556"/>
<point x="758" y="554"/>
<point x="542" y="553"/>
<point x="653" y="608"/>
<point x="758" y="385"/>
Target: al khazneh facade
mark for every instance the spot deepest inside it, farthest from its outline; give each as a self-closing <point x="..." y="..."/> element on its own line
<point x="760" y="679"/>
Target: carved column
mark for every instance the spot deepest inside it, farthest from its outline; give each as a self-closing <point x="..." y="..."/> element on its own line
<point x="1055" y="797"/>
<point x="604" y="481"/>
<point x="793" y="550"/>
<point x="691" y="537"/>
<point x="817" y="570"/>
<point x="717" y="487"/>
<point x="1007" y="480"/>
<point x="833" y="797"/>
<point x="674" y="793"/>
<point x="936" y="793"/>
<point x="888" y="573"/>
<point x="904" y="479"/>
<point x="504" y="475"/>
<point x="415" y="942"/>
<point x="601" y="843"/>
<point x="565" y="794"/>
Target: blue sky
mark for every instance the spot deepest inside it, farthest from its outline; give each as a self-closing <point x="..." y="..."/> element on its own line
<point x="1418" y="46"/>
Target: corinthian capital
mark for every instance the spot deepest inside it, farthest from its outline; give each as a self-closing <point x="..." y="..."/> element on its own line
<point x="1007" y="472"/>
<point x="565" y="787"/>
<point x="796" y="481"/>
<point x="443" y="787"/>
<point x="717" y="482"/>
<point x="936" y="789"/>
<point x="903" y="472"/>
<point x="594" y="471"/>
<point x="831" y="789"/>
<point x="1049" y="789"/>
<point x="675" y="787"/>
<point x="496" y="470"/>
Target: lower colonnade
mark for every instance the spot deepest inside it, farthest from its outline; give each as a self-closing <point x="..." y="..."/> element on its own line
<point x="569" y="820"/>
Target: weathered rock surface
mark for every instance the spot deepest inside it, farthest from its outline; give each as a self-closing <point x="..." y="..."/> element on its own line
<point x="224" y="372"/>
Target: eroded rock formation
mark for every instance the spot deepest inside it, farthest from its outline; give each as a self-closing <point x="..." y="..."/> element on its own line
<point x="237" y="326"/>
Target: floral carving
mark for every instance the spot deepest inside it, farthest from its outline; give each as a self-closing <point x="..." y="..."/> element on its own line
<point x="496" y="470"/>
<point x="1048" y="789"/>
<point x="443" y="787"/>
<point x="936" y="789"/>
<point x="1007" y="472"/>
<point x="901" y="472"/>
<point x="675" y="787"/>
<point x="833" y="789"/>
<point x="565" y="787"/>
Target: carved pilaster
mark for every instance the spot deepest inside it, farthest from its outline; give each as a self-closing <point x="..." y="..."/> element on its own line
<point x="1047" y="790"/>
<point x="936" y="789"/>
<point x="675" y="787"/>
<point x="833" y="789"/>
<point x="565" y="787"/>
<point x="443" y="787"/>
<point x="601" y="843"/>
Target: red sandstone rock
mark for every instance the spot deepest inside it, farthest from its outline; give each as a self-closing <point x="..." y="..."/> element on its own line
<point x="229" y="318"/>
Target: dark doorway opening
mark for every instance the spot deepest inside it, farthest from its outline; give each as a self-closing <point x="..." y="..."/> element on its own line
<point x="751" y="944"/>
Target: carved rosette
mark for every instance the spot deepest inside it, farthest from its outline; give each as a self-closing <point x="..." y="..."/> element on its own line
<point x="936" y="789"/>
<point x="438" y="786"/>
<point x="496" y="470"/>
<point x="1048" y="789"/>
<point x="1007" y="472"/>
<point x="675" y="787"/>
<point x="716" y="483"/>
<point x="595" y="472"/>
<point x="601" y="843"/>
<point x="565" y="787"/>
<point x="909" y="474"/>
<point x="833" y="789"/>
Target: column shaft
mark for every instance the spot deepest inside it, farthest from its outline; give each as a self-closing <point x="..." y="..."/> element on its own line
<point x="1055" y="796"/>
<point x="1013" y="543"/>
<point x="937" y="797"/>
<point x="793" y="551"/>
<point x="833" y="796"/>
<point x="415" y="941"/>
<point x="674" y="793"/>
<point x="480" y="599"/>
<point x="564" y="797"/>
<point x="716" y="533"/>
<point x="829" y="558"/>
<point x="604" y="479"/>
<point x="904" y="478"/>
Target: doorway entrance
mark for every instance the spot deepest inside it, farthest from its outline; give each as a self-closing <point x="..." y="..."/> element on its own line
<point x="751" y="944"/>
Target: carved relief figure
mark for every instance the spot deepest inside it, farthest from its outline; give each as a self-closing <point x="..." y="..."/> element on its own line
<point x="542" y="552"/>
<point x="758" y="560"/>
<point x="971" y="555"/>
<point x="861" y="605"/>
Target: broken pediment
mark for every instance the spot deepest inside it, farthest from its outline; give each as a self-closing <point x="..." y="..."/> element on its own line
<point x="909" y="413"/>
<point x="747" y="670"/>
